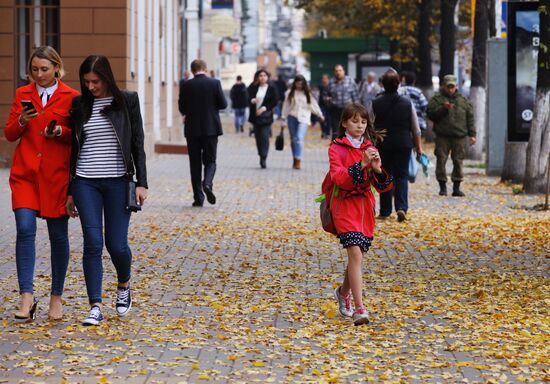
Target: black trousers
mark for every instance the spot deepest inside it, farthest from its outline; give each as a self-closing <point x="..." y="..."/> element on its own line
<point x="202" y="150"/>
<point x="335" y="115"/>
<point x="261" y="134"/>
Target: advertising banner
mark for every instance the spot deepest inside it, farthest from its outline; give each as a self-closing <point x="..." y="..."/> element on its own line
<point x="523" y="47"/>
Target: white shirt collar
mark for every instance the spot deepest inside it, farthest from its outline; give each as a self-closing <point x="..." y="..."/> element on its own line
<point x="46" y="93"/>
<point x="355" y="142"/>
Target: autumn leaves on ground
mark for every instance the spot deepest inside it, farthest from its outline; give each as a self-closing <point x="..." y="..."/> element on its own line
<point x="458" y="291"/>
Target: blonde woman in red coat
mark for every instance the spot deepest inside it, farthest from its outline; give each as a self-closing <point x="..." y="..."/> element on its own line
<point x="39" y="174"/>
<point x="355" y="165"/>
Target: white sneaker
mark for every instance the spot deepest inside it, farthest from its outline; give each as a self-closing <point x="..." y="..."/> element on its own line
<point x="360" y="316"/>
<point x="95" y="316"/>
<point x="123" y="300"/>
<point x="344" y="303"/>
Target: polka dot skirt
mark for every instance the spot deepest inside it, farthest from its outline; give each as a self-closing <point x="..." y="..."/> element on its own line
<point x="348" y="239"/>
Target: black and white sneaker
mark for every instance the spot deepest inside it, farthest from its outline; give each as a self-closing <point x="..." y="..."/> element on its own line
<point x="123" y="300"/>
<point x="95" y="316"/>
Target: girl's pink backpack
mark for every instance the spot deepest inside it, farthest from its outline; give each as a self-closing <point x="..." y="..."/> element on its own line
<point x="330" y="190"/>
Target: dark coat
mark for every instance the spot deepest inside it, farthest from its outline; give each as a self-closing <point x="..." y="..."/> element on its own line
<point x="128" y="125"/>
<point x="394" y="114"/>
<point x="199" y="101"/>
<point x="239" y="96"/>
<point x="270" y="100"/>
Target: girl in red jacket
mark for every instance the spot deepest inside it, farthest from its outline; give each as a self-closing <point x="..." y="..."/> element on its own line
<point x="355" y="165"/>
<point x="39" y="175"/>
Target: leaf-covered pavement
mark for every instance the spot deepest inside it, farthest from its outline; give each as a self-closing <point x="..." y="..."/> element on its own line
<point x="242" y="291"/>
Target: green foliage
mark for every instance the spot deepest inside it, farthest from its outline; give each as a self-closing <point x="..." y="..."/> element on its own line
<point x="396" y="20"/>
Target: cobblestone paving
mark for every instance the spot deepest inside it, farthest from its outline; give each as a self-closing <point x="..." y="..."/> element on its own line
<point x="241" y="291"/>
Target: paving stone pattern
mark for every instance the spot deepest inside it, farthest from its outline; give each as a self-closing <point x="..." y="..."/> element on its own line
<point x="241" y="291"/>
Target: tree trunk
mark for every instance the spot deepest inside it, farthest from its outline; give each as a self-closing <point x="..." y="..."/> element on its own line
<point x="539" y="144"/>
<point x="394" y="49"/>
<point x="538" y="148"/>
<point x="514" y="161"/>
<point x="424" y="78"/>
<point x="478" y="98"/>
<point x="447" y="38"/>
<point x="478" y="94"/>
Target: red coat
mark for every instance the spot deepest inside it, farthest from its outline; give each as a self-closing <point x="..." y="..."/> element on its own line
<point x="39" y="175"/>
<point x="353" y="209"/>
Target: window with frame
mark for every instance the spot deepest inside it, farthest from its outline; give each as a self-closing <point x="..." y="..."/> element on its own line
<point x="37" y="23"/>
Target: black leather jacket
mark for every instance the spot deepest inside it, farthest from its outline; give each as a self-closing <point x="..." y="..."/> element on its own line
<point x="128" y="129"/>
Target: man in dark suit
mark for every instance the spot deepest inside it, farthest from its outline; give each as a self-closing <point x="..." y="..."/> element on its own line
<point x="199" y="101"/>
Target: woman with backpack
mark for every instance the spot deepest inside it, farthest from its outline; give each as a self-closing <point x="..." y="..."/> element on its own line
<point x="298" y="106"/>
<point x="354" y="166"/>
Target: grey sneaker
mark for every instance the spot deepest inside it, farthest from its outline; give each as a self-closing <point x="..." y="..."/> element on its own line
<point x="401" y="216"/>
<point x="360" y="316"/>
<point x="95" y="316"/>
<point x="123" y="300"/>
<point x="344" y="303"/>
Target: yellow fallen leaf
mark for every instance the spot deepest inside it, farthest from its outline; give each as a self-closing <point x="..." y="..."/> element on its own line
<point x="258" y="363"/>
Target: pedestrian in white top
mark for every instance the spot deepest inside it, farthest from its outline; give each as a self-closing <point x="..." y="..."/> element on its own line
<point x="298" y="106"/>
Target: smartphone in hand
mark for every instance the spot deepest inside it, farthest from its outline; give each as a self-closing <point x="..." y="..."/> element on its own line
<point x="51" y="127"/>
<point x="28" y="105"/>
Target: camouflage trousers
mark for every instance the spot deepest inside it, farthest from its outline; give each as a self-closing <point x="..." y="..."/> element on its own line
<point x="456" y="146"/>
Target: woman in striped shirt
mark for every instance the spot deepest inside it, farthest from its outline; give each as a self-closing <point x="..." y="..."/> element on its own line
<point x="107" y="151"/>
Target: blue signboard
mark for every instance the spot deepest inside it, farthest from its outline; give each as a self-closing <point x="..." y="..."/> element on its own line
<point x="222" y="4"/>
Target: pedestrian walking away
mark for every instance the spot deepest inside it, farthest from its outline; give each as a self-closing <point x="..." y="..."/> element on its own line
<point x="200" y="100"/>
<point x="416" y="96"/>
<point x="453" y="118"/>
<point x="342" y="90"/>
<point x="395" y="115"/>
<point x="39" y="175"/>
<point x="324" y="96"/>
<point x="262" y="98"/>
<point x="239" y="101"/>
<point x="355" y="165"/>
<point x="298" y="106"/>
<point x="369" y="89"/>
<point x="281" y="87"/>
<point x="107" y="151"/>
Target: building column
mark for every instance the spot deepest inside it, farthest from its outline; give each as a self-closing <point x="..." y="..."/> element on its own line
<point x="193" y="31"/>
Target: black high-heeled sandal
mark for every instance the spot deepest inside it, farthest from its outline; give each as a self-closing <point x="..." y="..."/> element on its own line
<point x="32" y="312"/>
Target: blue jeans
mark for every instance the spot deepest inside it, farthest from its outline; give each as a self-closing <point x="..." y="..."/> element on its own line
<point x="239" y="119"/>
<point x="95" y="198"/>
<point x="397" y="164"/>
<point x="25" y="250"/>
<point x="297" y="135"/>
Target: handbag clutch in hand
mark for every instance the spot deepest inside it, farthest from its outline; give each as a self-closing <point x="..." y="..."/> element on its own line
<point x="132" y="204"/>
<point x="280" y="140"/>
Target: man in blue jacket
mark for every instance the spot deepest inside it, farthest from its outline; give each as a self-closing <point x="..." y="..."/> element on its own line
<point x="200" y="100"/>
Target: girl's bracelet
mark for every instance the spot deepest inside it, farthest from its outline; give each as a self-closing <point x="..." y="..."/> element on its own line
<point x="20" y="123"/>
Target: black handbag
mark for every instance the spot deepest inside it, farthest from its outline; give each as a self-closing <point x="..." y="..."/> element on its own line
<point x="265" y="118"/>
<point x="280" y="140"/>
<point x="132" y="204"/>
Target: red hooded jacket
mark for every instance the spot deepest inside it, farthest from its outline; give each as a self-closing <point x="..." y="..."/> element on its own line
<point x="39" y="175"/>
<point x="353" y="208"/>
